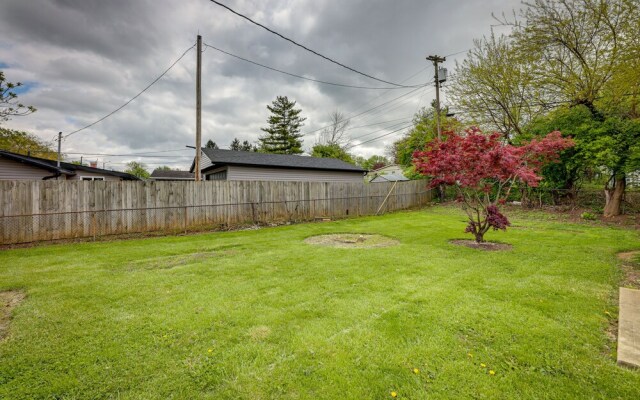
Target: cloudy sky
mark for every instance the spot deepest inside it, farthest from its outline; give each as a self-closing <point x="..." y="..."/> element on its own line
<point x="82" y="59"/>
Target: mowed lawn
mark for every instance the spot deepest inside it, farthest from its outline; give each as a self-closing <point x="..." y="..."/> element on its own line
<point x="262" y="315"/>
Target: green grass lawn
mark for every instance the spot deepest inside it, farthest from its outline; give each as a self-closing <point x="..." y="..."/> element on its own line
<point x="262" y="315"/>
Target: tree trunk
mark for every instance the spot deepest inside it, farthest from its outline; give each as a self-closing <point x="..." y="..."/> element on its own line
<point x="614" y="196"/>
<point x="479" y="237"/>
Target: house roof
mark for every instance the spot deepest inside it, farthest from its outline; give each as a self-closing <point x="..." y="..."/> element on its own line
<point x="220" y="157"/>
<point x="164" y="174"/>
<point x="389" y="178"/>
<point x="65" y="168"/>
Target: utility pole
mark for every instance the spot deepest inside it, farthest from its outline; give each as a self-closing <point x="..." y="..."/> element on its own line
<point x="59" y="148"/>
<point x="436" y="60"/>
<point x="198" y="109"/>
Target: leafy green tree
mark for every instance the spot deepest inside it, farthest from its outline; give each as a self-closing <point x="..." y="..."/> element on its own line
<point x="371" y="163"/>
<point x="331" y="151"/>
<point x="211" y="145"/>
<point x="137" y="169"/>
<point x="9" y="105"/>
<point x="424" y="131"/>
<point x="164" y="168"/>
<point x="574" y="47"/>
<point x="495" y="87"/>
<point x="283" y="133"/>
<point x="609" y="144"/>
<point x="25" y="143"/>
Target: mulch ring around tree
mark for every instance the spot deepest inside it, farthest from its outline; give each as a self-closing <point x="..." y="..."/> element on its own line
<point x="352" y="240"/>
<point x="9" y="300"/>
<point x="486" y="246"/>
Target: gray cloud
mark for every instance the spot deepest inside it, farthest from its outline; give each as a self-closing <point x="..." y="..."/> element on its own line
<point x="89" y="57"/>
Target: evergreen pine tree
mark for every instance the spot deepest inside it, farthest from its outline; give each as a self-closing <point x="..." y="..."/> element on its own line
<point x="283" y="134"/>
<point x="235" y="145"/>
<point x="246" y="146"/>
<point x="211" y="145"/>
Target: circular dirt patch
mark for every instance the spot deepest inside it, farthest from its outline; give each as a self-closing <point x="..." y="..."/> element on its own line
<point x="352" y="240"/>
<point x="486" y="246"/>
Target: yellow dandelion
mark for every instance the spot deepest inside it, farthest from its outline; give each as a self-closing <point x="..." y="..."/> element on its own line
<point x="394" y="394"/>
<point x="416" y="371"/>
<point x="210" y="350"/>
<point x="483" y="365"/>
<point x="492" y="372"/>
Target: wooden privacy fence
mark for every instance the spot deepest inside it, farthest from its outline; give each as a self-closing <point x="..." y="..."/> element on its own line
<point x="33" y="211"/>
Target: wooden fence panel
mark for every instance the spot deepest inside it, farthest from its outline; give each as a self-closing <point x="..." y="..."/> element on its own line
<point x="46" y="210"/>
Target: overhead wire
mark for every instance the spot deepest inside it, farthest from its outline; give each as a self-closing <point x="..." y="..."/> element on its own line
<point x="456" y="53"/>
<point x="307" y="78"/>
<point x="366" y="111"/>
<point x="134" y="97"/>
<point x="379" y="137"/>
<point x="381" y="129"/>
<point x="302" y="46"/>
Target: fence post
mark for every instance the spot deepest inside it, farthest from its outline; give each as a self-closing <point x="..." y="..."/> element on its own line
<point x="186" y="221"/>
<point x="253" y="213"/>
<point x="93" y="224"/>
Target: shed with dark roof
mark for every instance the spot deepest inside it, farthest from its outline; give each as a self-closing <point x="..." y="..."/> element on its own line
<point x="218" y="164"/>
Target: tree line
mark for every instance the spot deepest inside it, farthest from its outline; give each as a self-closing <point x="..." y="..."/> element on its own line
<point x="565" y="65"/>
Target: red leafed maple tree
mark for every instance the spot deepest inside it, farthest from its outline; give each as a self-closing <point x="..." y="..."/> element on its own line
<point x="483" y="169"/>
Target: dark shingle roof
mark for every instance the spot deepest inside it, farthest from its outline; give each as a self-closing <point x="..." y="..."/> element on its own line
<point x="225" y="157"/>
<point x="65" y="168"/>
<point x="163" y="174"/>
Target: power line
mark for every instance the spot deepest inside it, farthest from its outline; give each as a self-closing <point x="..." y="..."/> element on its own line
<point x="379" y="137"/>
<point x="143" y="154"/>
<point x="381" y="129"/>
<point x="127" y="155"/>
<point x="366" y="111"/>
<point x="456" y="53"/>
<point x="387" y="91"/>
<point x="401" y="104"/>
<point x="304" y="47"/>
<point x="378" y="123"/>
<point x="372" y="100"/>
<point x="134" y="97"/>
<point x="306" y="78"/>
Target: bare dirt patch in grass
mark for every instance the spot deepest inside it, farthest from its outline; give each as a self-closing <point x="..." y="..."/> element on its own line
<point x="168" y="262"/>
<point x="630" y="269"/>
<point x="259" y="333"/>
<point x="9" y="300"/>
<point x="352" y="240"/>
<point x="486" y="246"/>
<point x="629" y="255"/>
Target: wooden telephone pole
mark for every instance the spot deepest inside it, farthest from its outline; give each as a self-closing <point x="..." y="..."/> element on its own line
<point x="436" y="60"/>
<point x="59" y="148"/>
<point x="198" y="110"/>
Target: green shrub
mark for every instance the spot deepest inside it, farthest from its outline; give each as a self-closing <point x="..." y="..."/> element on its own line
<point x="588" y="216"/>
